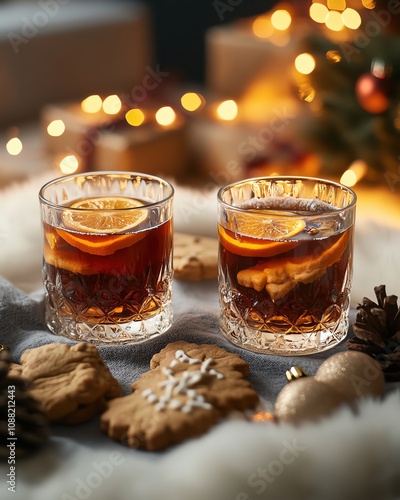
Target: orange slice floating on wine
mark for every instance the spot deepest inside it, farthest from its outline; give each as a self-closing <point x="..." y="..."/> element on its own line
<point x="101" y="226"/>
<point x="256" y="235"/>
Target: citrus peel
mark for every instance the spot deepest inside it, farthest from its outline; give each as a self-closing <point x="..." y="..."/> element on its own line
<point x="257" y="235"/>
<point x="103" y="225"/>
<point x="246" y="246"/>
<point x="100" y="245"/>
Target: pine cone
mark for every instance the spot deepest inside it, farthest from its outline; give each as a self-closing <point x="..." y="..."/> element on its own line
<point x="20" y="414"/>
<point x="377" y="332"/>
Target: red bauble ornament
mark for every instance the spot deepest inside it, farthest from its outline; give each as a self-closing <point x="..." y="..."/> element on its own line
<point x="373" y="93"/>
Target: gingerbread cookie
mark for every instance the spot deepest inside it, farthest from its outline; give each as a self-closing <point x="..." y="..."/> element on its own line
<point x="195" y="257"/>
<point x="188" y="389"/>
<point x="71" y="382"/>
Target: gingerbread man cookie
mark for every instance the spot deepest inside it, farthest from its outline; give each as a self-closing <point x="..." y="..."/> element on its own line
<point x="189" y="388"/>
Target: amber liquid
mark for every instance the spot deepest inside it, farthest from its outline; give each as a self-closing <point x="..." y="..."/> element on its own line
<point x="126" y="285"/>
<point x="300" y="290"/>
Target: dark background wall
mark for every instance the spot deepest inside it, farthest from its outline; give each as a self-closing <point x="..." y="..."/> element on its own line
<point x="180" y="26"/>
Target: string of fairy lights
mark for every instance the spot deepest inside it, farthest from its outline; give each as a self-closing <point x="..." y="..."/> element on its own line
<point x="274" y="27"/>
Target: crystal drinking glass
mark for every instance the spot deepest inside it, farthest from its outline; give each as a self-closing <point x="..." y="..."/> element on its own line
<point x="285" y="263"/>
<point x="107" y="256"/>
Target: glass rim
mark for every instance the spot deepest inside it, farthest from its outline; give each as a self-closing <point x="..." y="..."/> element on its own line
<point x="289" y="178"/>
<point x="109" y="173"/>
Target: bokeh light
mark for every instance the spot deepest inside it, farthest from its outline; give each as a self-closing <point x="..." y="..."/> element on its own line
<point x="306" y="93"/>
<point x="349" y="178"/>
<point x="262" y="27"/>
<point x="263" y="416"/>
<point x="354" y="173"/>
<point x="319" y="12"/>
<point x="69" y="164"/>
<point x="351" y="19"/>
<point x="380" y="69"/>
<point x="305" y="63"/>
<point x="92" y="104"/>
<point x="14" y="146"/>
<point x="112" y="105"/>
<point x="227" y="110"/>
<point x="191" y="101"/>
<point x="333" y="56"/>
<point x="56" y="128"/>
<point x="165" y="116"/>
<point x="369" y="4"/>
<point x="336" y="4"/>
<point x="334" y="21"/>
<point x="281" y="20"/>
<point x="135" y="117"/>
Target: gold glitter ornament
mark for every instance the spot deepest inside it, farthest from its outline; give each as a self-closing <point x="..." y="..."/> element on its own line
<point x="353" y="375"/>
<point x="306" y="399"/>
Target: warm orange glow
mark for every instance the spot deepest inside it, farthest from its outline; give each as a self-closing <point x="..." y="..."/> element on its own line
<point x="281" y="20"/>
<point x="336" y="4"/>
<point x="351" y="19"/>
<point x="333" y="56"/>
<point x="14" y="146"/>
<point x="135" y="117"/>
<point x="262" y="27"/>
<point x="191" y="101"/>
<point x="165" y="116"/>
<point x="305" y="63"/>
<point x="112" y="105"/>
<point x="227" y="110"/>
<point x="353" y="174"/>
<point x="349" y="178"/>
<point x="369" y="4"/>
<point x="280" y="38"/>
<point x="307" y="93"/>
<point x="69" y="164"/>
<point x="263" y="416"/>
<point x="92" y="104"/>
<point x="334" y="21"/>
<point x="319" y="12"/>
<point x="56" y="128"/>
<point x="256" y="100"/>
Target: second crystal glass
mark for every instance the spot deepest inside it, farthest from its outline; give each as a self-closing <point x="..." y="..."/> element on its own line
<point x="285" y="263"/>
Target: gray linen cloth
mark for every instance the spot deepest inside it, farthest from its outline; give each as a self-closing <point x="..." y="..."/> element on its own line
<point x="195" y="320"/>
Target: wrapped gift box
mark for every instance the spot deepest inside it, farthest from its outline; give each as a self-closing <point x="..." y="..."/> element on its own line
<point x="102" y="142"/>
<point x="235" y="57"/>
<point x="58" y="50"/>
<point x="241" y="52"/>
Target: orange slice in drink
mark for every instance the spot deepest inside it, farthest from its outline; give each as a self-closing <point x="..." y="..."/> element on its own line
<point x="255" y="235"/>
<point x="101" y="226"/>
<point x="105" y="215"/>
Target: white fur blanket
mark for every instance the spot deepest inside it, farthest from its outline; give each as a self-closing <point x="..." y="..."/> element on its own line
<point x="344" y="457"/>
